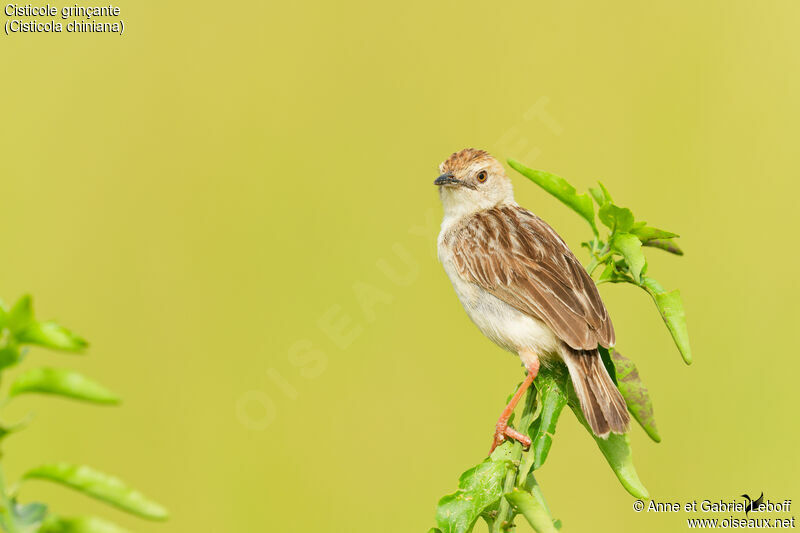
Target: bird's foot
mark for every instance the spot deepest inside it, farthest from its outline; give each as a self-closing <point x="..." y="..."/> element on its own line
<point x="501" y="431"/>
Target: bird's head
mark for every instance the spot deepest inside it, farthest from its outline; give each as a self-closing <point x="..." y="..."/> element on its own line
<point x="472" y="180"/>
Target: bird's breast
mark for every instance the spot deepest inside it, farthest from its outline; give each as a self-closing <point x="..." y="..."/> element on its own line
<point x="503" y="324"/>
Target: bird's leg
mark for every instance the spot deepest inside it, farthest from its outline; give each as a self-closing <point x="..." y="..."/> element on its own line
<point x="501" y="429"/>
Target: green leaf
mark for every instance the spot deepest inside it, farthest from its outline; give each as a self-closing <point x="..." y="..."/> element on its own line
<point x="561" y="189"/>
<point x="630" y="247"/>
<point x="552" y="399"/>
<point x="434" y="530"/>
<point x="8" y="429"/>
<point x="3" y="314"/>
<point x="605" y="355"/>
<point x="51" y="335"/>
<point x="619" y="219"/>
<point x="605" y="192"/>
<point x="101" y="486"/>
<point x="21" y="314"/>
<point x="635" y="393"/>
<point x="63" y="383"/>
<point x="479" y="487"/>
<point x="612" y="275"/>
<point x="27" y="518"/>
<point x="657" y="238"/>
<point x="48" y="334"/>
<point x="597" y="194"/>
<point x="646" y="233"/>
<point x="668" y="245"/>
<point x="617" y="451"/>
<point x="601" y="195"/>
<point x="670" y="305"/>
<point x="534" y="511"/>
<point x="83" y="524"/>
<point x="10" y="355"/>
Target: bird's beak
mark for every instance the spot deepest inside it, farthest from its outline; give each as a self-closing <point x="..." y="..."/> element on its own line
<point x="447" y="179"/>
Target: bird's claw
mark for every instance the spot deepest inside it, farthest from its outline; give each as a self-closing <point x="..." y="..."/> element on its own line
<point x="502" y="431"/>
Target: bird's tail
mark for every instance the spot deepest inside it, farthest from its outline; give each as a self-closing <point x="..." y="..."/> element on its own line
<point x="601" y="402"/>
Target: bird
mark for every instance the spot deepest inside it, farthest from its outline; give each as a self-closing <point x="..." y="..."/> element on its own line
<point x="752" y="504"/>
<point x="524" y="289"/>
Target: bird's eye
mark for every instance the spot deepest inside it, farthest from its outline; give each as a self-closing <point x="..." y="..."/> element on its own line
<point x="482" y="176"/>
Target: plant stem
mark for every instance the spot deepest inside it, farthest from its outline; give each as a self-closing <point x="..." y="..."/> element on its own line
<point x="505" y="513"/>
<point x="591" y="267"/>
<point x="599" y="255"/>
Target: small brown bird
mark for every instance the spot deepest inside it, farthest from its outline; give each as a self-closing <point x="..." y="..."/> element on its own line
<point x="524" y="289"/>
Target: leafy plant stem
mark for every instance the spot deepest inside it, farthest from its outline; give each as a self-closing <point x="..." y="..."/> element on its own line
<point x="20" y="329"/>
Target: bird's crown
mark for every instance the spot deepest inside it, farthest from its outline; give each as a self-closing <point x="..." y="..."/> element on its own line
<point x="462" y="159"/>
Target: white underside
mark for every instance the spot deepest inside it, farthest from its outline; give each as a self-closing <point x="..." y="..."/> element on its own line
<point x="503" y="324"/>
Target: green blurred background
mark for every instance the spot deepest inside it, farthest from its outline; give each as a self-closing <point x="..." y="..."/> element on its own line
<point x="211" y="197"/>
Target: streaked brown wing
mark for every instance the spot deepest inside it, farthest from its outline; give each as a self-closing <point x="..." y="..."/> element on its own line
<point x="517" y="257"/>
